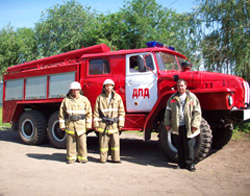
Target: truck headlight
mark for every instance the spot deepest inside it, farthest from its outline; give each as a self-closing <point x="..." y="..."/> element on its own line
<point x="230" y="100"/>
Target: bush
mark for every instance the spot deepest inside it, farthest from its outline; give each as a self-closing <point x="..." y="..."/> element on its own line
<point x="243" y="127"/>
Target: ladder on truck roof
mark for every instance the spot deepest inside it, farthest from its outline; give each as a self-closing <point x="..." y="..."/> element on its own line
<point x="72" y="55"/>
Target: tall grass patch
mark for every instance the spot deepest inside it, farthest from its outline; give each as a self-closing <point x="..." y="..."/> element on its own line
<point x="2" y="125"/>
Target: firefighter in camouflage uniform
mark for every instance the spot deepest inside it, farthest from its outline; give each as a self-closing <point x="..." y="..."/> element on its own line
<point x="109" y="118"/>
<point x="75" y="117"/>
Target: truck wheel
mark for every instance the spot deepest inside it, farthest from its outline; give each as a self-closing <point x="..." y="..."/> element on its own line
<point x="166" y="143"/>
<point x="56" y="136"/>
<point x="202" y="142"/>
<point x="221" y="136"/>
<point x="32" y="127"/>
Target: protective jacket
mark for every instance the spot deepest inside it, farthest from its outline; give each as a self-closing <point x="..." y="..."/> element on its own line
<point x="113" y="109"/>
<point x="76" y="107"/>
<point x="192" y="113"/>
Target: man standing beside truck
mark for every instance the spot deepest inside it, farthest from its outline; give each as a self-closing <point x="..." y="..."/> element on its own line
<point x="75" y="117"/>
<point x="183" y="116"/>
<point x="109" y="118"/>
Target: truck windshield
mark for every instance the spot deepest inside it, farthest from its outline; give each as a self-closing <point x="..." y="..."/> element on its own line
<point x="168" y="61"/>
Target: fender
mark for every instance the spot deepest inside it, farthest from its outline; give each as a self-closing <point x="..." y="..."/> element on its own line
<point x="11" y="111"/>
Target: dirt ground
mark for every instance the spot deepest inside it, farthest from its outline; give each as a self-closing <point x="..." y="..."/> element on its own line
<point x="41" y="170"/>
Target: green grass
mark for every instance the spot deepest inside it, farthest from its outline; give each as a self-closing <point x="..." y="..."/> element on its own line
<point x="3" y="125"/>
<point x="139" y="133"/>
<point x="239" y="135"/>
<point x="241" y="131"/>
<point x="243" y="127"/>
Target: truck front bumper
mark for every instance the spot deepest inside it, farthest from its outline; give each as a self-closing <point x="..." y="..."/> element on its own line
<point x="241" y="114"/>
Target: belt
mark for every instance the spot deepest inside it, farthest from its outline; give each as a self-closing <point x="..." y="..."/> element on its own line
<point x="110" y="121"/>
<point x="76" y="117"/>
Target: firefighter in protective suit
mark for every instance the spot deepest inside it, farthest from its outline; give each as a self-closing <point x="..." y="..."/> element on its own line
<point x="75" y="117"/>
<point x="109" y="118"/>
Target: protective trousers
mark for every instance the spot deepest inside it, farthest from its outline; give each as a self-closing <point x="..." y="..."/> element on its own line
<point x="77" y="147"/>
<point x="114" y="141"/>
<point x="185" y="148"/>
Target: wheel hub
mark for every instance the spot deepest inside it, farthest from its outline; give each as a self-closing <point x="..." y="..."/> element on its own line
<point x="57" y="133"/>
<point x="28" y="128"/>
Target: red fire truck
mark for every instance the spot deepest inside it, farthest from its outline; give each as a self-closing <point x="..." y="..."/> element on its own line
<point x="145" y="78"/>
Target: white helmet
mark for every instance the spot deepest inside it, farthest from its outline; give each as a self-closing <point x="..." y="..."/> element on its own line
<point x="108" y="81"/>
<point x="75" y="85"/>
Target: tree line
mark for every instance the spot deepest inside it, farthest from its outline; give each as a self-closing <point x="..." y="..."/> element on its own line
<point x="215" y="35"/>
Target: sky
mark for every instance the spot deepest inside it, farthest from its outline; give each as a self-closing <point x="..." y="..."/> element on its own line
<point x="25" y="13"/>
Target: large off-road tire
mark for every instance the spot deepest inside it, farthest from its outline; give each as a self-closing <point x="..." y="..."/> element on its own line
<point x="56" y="136"/>
<point x="32" y="127"/>
<point x="202" y="142"/>
<point x="222" y="135"/>
<point x="166" y="143"/>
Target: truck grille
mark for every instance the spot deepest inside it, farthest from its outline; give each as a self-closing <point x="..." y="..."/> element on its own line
<point x="247" y="92"/>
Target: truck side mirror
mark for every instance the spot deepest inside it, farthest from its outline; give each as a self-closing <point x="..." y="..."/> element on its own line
<point x="140" y="62"/>
<point x="186" y="66"/>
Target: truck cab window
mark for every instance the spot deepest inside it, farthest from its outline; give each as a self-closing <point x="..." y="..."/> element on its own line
<point x="98" y="66"/>
<point x="133" y="66"/>
<point x="149" y="62"/>
<point x="167" y="62"/>
<point x="137" y="63"/>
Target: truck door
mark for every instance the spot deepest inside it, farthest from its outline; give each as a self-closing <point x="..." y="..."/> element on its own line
<point x="96" y="71"/>
<point x="141" y="82"/>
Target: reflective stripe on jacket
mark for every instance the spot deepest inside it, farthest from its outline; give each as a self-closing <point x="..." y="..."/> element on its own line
<point x="192" y="113"/>
<point x="113" y="109"/>
<point x="75" y="106"/>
